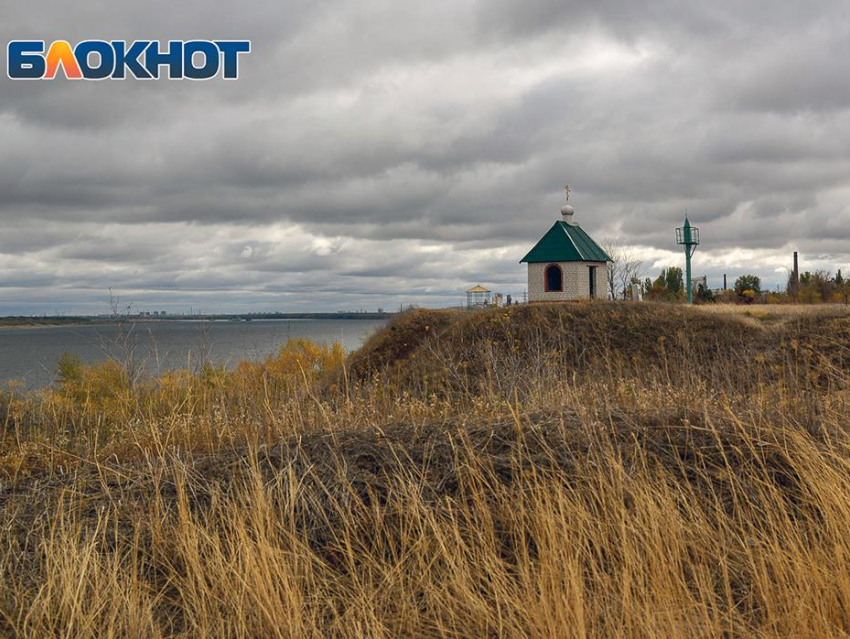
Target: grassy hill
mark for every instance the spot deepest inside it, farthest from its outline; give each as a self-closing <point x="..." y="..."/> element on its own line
<point x="445" y="351"/>
<point x="567" y="470"/>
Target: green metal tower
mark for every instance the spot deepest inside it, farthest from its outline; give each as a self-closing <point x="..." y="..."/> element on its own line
<point x="688" y="236"/>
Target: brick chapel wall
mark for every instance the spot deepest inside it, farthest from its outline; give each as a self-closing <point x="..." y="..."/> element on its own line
<point x="576" y="281"/>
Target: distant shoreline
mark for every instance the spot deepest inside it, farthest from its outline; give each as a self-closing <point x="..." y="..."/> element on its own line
<point x="54" y="322"/>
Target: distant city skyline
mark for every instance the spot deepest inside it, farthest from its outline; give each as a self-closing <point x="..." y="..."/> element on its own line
<point x="376" y="153"/>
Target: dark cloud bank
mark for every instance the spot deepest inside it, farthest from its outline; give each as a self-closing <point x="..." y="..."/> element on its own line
<point x="376" y="152"/>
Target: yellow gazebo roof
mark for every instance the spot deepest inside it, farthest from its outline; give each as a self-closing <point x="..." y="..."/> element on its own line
<point x="478" y="289"/>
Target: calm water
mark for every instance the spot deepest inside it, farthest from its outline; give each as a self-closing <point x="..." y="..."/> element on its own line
<point x="30" y="354"/>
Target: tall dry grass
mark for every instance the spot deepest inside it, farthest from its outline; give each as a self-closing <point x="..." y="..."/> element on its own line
<point x="512" y="475"/>
<point x="777" y="310"/>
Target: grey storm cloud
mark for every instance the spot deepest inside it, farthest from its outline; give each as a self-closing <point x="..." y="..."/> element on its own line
<point x="377" y="152"/>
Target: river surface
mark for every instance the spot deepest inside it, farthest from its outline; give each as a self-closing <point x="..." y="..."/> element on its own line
<point x="29" y="355"/>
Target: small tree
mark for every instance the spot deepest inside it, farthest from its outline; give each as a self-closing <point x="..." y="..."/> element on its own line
<point x="816" y="287"/>
<point x="629" y="272"/>
<point x="612" y="273"/>
<point x="674" y="280"/>
<point x="623" y="269"/>
<point x="792" y="287"/>
<point x="824" y="285"/>
<point x="842" y="287"/>
<point x="748" y="288"/>
<point x="704" y="294"/>
<point x="668" y="286"/>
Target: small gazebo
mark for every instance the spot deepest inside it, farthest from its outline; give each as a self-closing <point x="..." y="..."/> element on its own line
<point x="477" y="297"/>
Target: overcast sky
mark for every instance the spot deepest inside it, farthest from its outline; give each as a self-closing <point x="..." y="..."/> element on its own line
<point x="378" y="152"/>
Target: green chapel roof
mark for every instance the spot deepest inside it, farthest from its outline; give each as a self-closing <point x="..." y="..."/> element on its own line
<point x="566" y="242"/>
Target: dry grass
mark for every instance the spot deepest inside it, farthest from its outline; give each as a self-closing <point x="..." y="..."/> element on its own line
<point x="780" y="310"/>
<point x="587" y="471"/>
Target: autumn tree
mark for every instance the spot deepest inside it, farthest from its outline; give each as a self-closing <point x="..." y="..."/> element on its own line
<point x="842" y="287"/>
<point x="669" y="286"/>
<point x="748" y="287"/>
